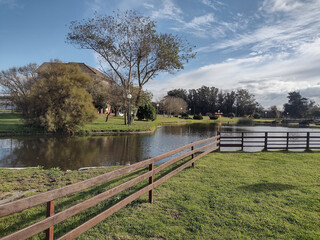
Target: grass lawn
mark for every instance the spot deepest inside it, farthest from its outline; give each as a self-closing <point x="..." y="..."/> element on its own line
<point x="13" y="123"/>
<point x="266" y="195"/>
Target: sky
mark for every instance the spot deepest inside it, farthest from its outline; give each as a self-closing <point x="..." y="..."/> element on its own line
<point x="270" y="47"/>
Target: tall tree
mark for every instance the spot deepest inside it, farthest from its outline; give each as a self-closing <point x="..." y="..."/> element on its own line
<point x="297" y="105"/>
<point x="180" y="93"/>
<point x="245" y="102"/>
<point x="131" y="47"/>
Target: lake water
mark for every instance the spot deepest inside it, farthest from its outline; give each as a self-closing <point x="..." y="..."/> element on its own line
<point x="77" y="152"/>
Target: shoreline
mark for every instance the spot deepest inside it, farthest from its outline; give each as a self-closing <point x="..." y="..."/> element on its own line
<point x="151" y="130"/>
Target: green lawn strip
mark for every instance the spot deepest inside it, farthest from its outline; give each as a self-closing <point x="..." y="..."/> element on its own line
<point x="269" y="195"/>
<point x="13" y="123"/>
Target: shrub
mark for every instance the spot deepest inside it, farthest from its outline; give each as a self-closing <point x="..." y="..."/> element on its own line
<point x="230" y="115"/>
<point x="184" y="115"/>
<point x="147" y="112"/>
<point x="59" y="101"/>
<point x="213" y="117"/>
<point x="140" y="113"/>
<point x="197" y="117"/>
<point x="256" y="116"/>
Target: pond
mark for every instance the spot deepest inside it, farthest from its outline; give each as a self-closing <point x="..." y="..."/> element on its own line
<point x="77" y="152"/>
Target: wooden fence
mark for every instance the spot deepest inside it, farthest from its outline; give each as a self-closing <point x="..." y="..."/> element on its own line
<point x="271" y="140"/>
<point x="203" y="147"/>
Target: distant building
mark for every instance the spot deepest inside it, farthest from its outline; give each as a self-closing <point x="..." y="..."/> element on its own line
<point x="92" y="72"/>
<point x="5" y="103"/>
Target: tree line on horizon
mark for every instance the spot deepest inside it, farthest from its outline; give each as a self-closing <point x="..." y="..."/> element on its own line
<point x="209" y="100"/>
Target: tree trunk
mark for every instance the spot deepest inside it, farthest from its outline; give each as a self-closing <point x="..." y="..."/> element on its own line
<point x="138" y="97"/>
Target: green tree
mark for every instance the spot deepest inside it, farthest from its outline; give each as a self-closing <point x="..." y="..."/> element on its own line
<point x="131" y="47"/>
<point x="59" y="100"/>
<point x="245" y="102"/>
<point x="180" y="93"/>
<point x="147" y="112"/>
<point x="297" y="106"/>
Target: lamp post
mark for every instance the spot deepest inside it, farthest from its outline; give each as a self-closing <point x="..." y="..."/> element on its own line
<point x="129" y="96"/>
<point x="157" y="108"/>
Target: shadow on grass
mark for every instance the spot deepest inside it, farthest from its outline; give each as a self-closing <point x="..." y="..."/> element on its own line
<point x="267" y="187"/>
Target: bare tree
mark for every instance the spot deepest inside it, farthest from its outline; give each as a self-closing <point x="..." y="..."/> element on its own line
<point x="131" y="47"/>
<point x="16" y="83"/>
<point x="174" y="105"/>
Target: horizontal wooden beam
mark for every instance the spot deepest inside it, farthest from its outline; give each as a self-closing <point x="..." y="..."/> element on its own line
<point x="25" y="203"/>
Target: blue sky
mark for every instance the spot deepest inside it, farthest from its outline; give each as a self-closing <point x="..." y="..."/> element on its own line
<point x="270" y="47"/>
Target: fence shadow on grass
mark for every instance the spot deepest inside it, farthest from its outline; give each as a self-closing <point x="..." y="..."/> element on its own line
<point x="267" y="187"/>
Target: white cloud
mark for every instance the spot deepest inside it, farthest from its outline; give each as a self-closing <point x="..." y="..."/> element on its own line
<point x="214" y="4"/>
<point x="169" y="11"/>
<point x="10" y="3"/>
<point x="298" y="24"/>
<point x="281" y="5"/>
<point x="269" y="76"/>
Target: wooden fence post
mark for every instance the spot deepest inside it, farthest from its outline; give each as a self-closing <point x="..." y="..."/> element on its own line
<point x="287" y="146"/>
<point x="219" y="139"/>
<point x="192" y="156"/>
<point x="308" y="141"/>
<point x="151" y="166"/>
<point x="50" y="212"/>
<point x="242" y="134"/>
<point x="265" y="141"/>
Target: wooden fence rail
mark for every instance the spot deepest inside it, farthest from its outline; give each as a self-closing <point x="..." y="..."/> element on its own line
<point x="49" y="197"/>
<point x="271" y="140"/>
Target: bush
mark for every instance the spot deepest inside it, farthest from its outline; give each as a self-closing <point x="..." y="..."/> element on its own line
<point x="230" y="115"/>
<point x="147" y="112"/>
<point x="59" y="101"/>
<point x="213" y="117"/>
<point x="256" y="116"/>
<point x="197" y="117"/>
<point x="184" y="115"/>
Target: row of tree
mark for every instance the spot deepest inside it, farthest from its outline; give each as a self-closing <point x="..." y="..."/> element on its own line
<point x="210" y="100"/>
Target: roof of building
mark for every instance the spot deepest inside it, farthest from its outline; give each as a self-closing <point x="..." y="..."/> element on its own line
<point x="84" y="68"/>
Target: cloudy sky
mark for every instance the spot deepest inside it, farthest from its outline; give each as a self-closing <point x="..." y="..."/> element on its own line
<point x="270" y="47"/>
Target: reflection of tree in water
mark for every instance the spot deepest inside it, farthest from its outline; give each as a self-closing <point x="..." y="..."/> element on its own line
<point x="73" y="152"/>
<point x="196" y="129"/>
<point x="122" y="150"/>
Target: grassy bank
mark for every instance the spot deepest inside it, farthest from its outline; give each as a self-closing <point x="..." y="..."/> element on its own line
<point x="269" y="195"/>
<point x="12" y="123"/>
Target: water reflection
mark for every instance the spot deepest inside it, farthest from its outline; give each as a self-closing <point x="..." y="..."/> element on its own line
<point x="77" y="152"/>
<point x="69" y="152"/>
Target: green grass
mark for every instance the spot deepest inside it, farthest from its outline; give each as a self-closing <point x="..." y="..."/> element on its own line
<point x="268" y="195"/>
<point x="13" y="123"/>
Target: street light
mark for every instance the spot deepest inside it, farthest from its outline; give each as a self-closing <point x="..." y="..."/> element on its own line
<point x="129" y="96"/>
<point x="157" y="108"/>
